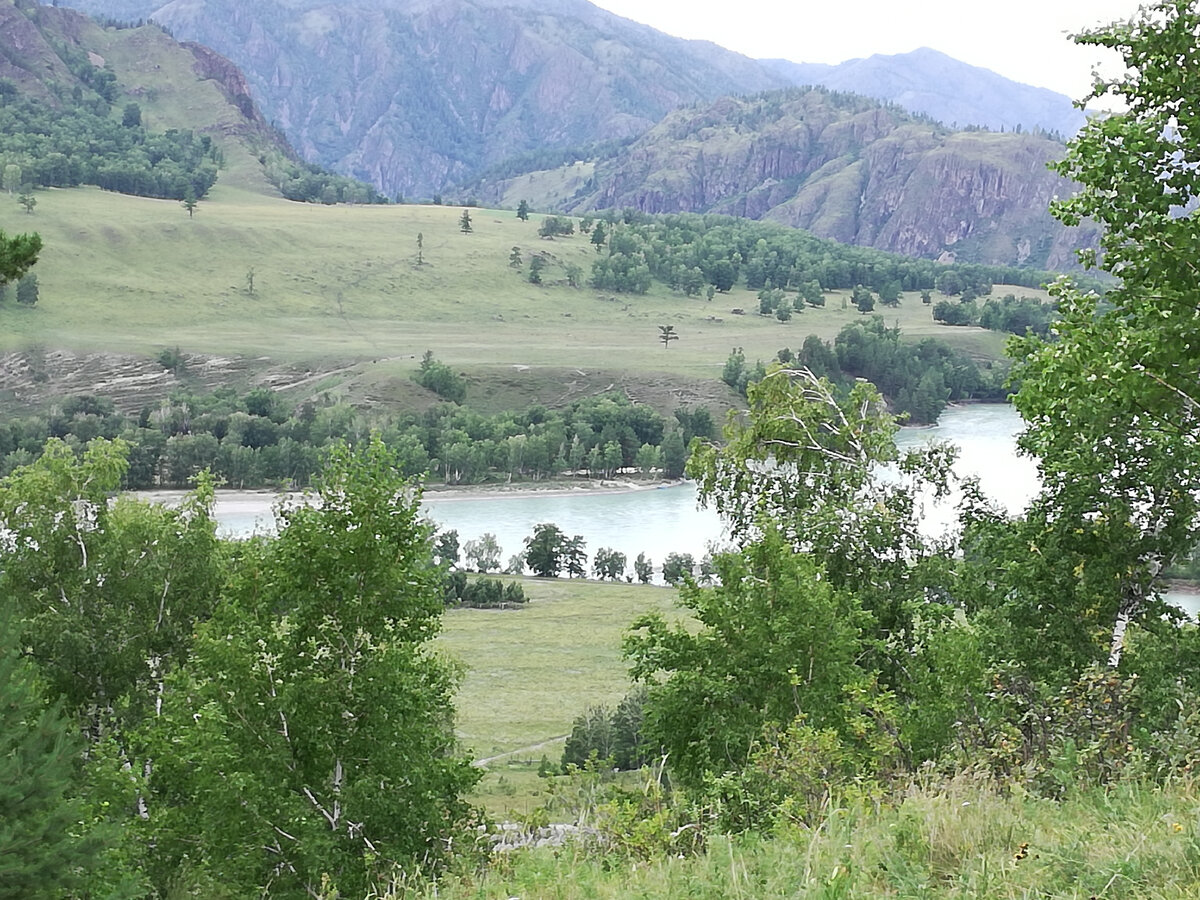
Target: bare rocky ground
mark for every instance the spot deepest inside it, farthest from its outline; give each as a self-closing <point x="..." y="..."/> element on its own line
<point x="34" y="380"/>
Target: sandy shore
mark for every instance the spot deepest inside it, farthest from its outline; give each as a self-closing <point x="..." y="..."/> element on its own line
<point x="435" y="492"/>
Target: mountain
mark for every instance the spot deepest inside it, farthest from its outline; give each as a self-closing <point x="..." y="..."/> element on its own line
<point x="843" y="167"/>
<point x="943" y="88"/>
<point x="64" y="74"/>
<point x="414" y="95"/>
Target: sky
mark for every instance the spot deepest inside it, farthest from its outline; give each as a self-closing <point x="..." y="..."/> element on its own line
<point x="1025" y="40"/>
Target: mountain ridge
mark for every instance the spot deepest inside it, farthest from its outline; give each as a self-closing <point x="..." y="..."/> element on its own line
<point x="417" y="97"/>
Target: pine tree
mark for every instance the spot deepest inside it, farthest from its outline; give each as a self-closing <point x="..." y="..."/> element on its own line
<point x="40" y="850"/>
<point x="464" y="222"/>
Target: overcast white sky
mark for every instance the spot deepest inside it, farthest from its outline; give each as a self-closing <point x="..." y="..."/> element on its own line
<point x="1025" y="40"/>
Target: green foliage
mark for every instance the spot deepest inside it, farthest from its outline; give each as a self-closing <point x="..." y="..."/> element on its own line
<point x="44" y="845"/>
<point x="464" y="222"/>
<point x="677" y="567"/>
<point x="483" y="553"/>
<point x="612" y="736"/>
<point x="441" y="379"/>
<point x="17" y="255"/>
<point x="81" y="570"/>
<point x="78" y="144"/>
<point x="312" y="693"/>
<point x="483" y="593"/>
<point x="545" y="550"/>
<point x="643" y="568"/>
<point x="556" y="226"/>
<point x="1109" y="406"/>
<point x="609" y="564"/>
<point x="1018" y="316"/>
<point x="27" y="290"/>
<point x="775" y="639"/>
<point x="309" y="183"/>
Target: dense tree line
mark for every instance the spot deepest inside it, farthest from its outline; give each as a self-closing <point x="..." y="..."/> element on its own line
<point x="687" y="252"/>
<point x="255" y="440"/>
<point x="1009" y="314"/>
<point x="85" y="143"/>
<point x="918" y="379"/>
<point x="310" y="183"/>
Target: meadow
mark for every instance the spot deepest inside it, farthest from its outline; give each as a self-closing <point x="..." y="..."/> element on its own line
<point x="529" y="672"/>
<point x="348" y="285"/>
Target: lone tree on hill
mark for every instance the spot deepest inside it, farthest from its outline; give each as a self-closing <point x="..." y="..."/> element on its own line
<point x="464" y="222"/>
<point x="189" y="202"/>
<point x="523" y="211"/>
<point x="666" y="334"/>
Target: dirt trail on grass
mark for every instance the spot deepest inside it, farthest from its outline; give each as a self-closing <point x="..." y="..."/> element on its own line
<point x="532" y="748"/>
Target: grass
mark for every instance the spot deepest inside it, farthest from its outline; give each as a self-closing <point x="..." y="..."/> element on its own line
<point x="962" y="839"/>
<point x="529" y="672"/>
<point x="133" y="275"/>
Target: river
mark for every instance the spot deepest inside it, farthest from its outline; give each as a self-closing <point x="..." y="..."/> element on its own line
<point x="662" y="520"/>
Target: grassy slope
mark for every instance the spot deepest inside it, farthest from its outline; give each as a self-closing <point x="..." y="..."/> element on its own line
<point x="958" y="840"/>
<point x="134" y="275"/>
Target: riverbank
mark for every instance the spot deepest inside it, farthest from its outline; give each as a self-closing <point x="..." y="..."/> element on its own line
<point x="561" y="487"/>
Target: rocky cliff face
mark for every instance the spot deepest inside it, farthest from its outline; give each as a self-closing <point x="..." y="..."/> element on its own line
<point x="846" y="168"/>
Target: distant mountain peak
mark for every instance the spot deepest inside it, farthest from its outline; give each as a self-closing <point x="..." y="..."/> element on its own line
<point x="935" y="84"/>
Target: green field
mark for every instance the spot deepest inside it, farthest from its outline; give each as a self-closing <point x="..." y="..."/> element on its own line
<point x="131" y="275"/>
<point x="529" y="672"/>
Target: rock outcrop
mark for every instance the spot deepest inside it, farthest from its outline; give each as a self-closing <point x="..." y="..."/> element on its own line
<point x="849" y="169"/>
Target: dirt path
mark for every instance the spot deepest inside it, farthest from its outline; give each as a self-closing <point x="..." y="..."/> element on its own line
<point x="531" y="748"/>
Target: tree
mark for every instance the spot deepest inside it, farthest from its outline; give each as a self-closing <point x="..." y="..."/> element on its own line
<point x="545" y="550"/>
<point x="643" y="568"/>
<point x="805" y="461"/>
<point x="553" y="226"/>
<point x="438" y="377"/>
<point x="514" y="258"/>
<point x="250" y="281"/>
<point x="27" y="200"/>
<point x="464" y="222"/>
<point x="483" y="555"/>
<point x="445" y="548"/>
<point x="775" y="641"/>
<point x="523" y="211"/>
<point x="863" y="299"/>
<point x="609" y="564"/>
<point x="308" y="746"/>
<point x="536" y="265"/>
<point x="27" y="290"/>
<point x="599" y="236"/>
<point x="666" y="334"/>
<point x="674" y="455"/>
<point x="189" y="201"/>
<point x="42" y="849"/>
<point x="1112" y="402"/>
<point x="131" y="116"/>
<point x="18" y="255"/>
<point x="678" y="566"/>
<point x="420" y="248"/>
<point x="575" y="557"/>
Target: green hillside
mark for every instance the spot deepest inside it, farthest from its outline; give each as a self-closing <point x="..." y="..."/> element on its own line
<point x="132" y="275"/>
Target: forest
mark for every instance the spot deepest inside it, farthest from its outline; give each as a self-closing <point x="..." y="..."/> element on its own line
<point x="850" y="707"/>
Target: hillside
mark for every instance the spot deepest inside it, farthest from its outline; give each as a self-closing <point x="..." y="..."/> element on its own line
<point x="841" y="166"/>
<point x="943" y="88"/>
<point x="385" y="91"/>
